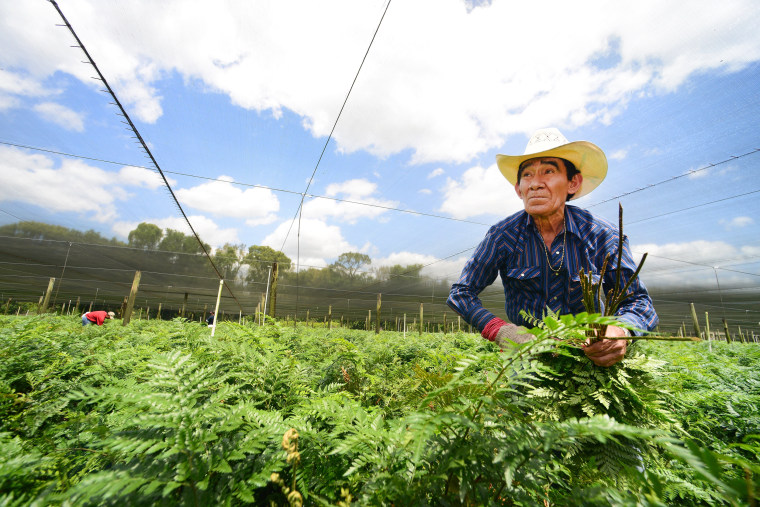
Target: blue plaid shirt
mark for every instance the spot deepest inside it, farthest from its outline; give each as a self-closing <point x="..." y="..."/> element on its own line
<point x="513" y="248"/>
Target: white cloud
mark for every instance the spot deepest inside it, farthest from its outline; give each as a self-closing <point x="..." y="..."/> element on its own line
<point x="318" y="239"/>
<point x="690" y="264"/>
<point x="479" y="192"/>
<point x="206" y="228"/>
<point x="444" y="97"/>
<point x="72" y="187"/>
<point x="142" y="177"/>
<point x="618" y="155"/>
<point x="737" y="222"/>
<point x="357" y="190"/>
<point x="425" y="191"/>
<point x="222" y="198"/>
<point x="434" y="173"/>
<point x="61" y="116"/>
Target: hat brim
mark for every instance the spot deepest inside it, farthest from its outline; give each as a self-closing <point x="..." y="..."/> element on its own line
<point x="587" y="157"/>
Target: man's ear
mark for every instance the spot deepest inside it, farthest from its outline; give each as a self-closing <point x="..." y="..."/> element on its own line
<point x="575" y="183"/>
<point x="517" y="189"/>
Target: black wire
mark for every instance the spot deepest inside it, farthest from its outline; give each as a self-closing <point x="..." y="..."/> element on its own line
<point x="145" y="148"/>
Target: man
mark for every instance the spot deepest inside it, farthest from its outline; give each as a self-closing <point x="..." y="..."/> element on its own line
<point x="210" y="319"/>
<point x="540" y="251"/>
<point x="98" y="317"/>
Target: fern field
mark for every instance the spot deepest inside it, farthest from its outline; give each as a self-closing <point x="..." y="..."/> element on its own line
<point x="160" y="413"/>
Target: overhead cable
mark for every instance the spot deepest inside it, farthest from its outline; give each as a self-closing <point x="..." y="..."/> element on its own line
<point x="144" y="145"/>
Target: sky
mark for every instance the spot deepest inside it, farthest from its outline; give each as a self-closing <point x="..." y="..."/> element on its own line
<point x="236" y="101"/>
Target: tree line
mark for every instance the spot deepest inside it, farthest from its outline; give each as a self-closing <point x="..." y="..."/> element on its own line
<point x="236" y="262"/>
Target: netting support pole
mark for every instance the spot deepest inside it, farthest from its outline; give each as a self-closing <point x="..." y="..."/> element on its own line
<point x="46" y="299"/>
<point x="216" y="308"/>
<point x="131" y="301"/>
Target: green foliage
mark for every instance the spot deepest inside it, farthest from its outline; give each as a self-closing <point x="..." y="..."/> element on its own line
<point x="160" y="413"/>
<point x="145" y="236"/>
<point x="39" y="230"/>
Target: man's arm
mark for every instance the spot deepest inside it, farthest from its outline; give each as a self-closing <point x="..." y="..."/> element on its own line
<point x="479" y="272"/>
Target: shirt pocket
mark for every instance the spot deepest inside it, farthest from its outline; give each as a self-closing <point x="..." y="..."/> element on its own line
<point x="523" y="280"/>
<point x="575" y="293"/>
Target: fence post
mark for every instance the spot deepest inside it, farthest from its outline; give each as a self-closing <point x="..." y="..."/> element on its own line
<point x="46" y="299"/>
<point x="421" y="319"/>
<point x="728" y="335"/>
<point x="184" y="304"/>
<point x="329" y="317"/>
<point x="707" y="331"/>
<point x="695" y="321"/>
<point x="158" y="314"/>
<point x="377" y="314"/>
<point x="216" y="308"/>
<point x="131" y="301"/>
<point x="741" y="335"/>
<point x="273" y="298"/>
<point x="444" y="322"/>
<point x="76" y="308"/>
<point x="404" y="326"/>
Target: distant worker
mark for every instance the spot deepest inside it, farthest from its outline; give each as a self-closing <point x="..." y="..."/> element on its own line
<point x="210" y="319"/>
<point x="98" y="317"/>
<point x="540" y="251"/>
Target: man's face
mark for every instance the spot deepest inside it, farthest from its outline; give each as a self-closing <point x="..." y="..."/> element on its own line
<point x="543" y="186"/>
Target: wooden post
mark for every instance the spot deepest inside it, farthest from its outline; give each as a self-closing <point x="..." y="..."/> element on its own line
<point x="76" y="307"/>
<point x="422" y="320"/>
<point x="404" y="326"/>
<point x="205" y="309"/>
<point x="741" y="335"/>
<point x="369" y="320"/>
<point x="184" y="305"/>
<point x="459" y="324"/>
<point x="444" y="322"/>
<point x="707" y="331"/>
<point x="8" y="305"/>
<point x="728" y="335"/>
<point x="90" y="307"/>
<point x="123" y="307"/>
<point x="329" y="317"/>
<point x="131" y="301"/>
<point x="377" y="314"/>
<point x="158" y="314"/>
<point x="46" y="299"/>
<point x="307" y="318"/>
<point x="695" y="321"/>
<point x="273" y="298"/>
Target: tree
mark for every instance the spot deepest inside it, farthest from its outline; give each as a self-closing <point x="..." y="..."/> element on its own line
<point x="399" y="272"/>
<point x="349" y="263"/>
<point x="228" y="260"/>
<point x="39" y="230"/>
<point x="260" y="258"/>
<point x="176" y="241"/>
<point x="145" y="236"/>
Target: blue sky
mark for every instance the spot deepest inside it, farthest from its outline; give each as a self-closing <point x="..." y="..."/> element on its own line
<point x="247" y="93"/>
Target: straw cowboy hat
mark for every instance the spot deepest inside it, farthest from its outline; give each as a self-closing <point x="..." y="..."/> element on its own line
<point x="587" y="157"/>
<point x="111" y="315"/>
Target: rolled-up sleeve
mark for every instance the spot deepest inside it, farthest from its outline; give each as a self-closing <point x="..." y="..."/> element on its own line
<point x="479" y="272"/>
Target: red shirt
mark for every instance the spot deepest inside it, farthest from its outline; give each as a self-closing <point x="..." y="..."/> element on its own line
<point x="97" y="317"/>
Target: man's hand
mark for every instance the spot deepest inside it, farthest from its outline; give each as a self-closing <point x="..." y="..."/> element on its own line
<point x="607" y="352"/>
<point x="512" y="332"/>
<point x="500" y="332"/>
